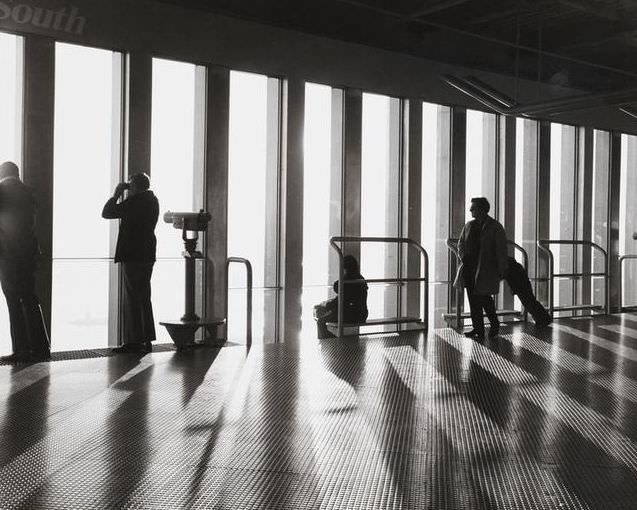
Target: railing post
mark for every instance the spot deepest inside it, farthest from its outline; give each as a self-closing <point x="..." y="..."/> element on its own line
<point x="248" y="267"/>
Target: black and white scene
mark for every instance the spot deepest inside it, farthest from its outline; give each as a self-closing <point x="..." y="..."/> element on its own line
<point x="318" y="254"/>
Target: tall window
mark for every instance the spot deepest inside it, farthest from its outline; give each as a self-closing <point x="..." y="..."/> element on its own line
<point x="436" y="159"/>
<point x="10" y="130"/>
<point x="86" y="168"/>
<point x="321" y="195"/>
<point x="380" y="191"/>
<point x="176" y="175"/>
<point x="562" y="207"/>
<point x="628" y="216"/>
<point x="253" y="200"/>
<point x="481" y="158"/>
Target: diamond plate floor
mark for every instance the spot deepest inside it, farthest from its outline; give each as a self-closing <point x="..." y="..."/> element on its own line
<point x="529" y="420"/>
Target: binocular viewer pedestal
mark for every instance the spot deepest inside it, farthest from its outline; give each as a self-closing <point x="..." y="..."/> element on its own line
<point x="183" y="331"/>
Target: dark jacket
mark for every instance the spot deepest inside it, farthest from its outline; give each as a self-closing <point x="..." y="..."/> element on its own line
<point x="136" y="240"/>
<point x="491" y="263"/>
<point x="17" y="220"/>
<point x="355" y="297"/>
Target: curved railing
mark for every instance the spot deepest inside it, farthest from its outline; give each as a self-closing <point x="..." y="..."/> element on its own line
<point x="248" y="267"/>
<point x="543" y="245"/>
<point x="398" y="240"/>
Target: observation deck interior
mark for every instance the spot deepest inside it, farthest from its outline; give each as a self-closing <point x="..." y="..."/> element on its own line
<point x="411" y="420"/>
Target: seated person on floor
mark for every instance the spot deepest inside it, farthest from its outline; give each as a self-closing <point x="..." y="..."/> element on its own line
<point x="354" y="294"/>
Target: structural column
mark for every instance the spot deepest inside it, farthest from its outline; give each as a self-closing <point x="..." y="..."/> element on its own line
<point x="543" y="221"/>
<point x="352" y="136"/>
<point x="612" y="246"/>
<point x="505" y="205"/>
<point x="457" y="185"/>
<point x="292" y="208"/>
<point x="216" y="189"/>
<point x="336" y="178"/>
<point x="412" y="208"/>
<point x="584" y="213"/>
<point x="139" y="70"/>
<point x="39" y="98"/>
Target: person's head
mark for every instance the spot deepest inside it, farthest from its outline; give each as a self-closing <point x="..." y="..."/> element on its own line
<point x="479" y="207"/>
<point x="9" y="169"/>
<point x="138" y="183"/>
<point x="350" y="264"/>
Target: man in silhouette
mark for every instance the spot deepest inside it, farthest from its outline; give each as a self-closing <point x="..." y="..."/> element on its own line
<point x="482" y="248"/>
<point x="135" y="251"/>
<point x="18" y="252"/>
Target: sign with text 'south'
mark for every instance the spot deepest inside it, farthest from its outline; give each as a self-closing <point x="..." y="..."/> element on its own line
<point x="65" y="19"/>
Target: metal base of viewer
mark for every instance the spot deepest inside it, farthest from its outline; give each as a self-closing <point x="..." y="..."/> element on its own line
<point x="183" y="332"/>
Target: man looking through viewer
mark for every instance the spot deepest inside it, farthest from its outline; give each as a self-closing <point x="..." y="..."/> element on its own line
<point x="135" y="251"/>
<point x="482" y="248"/>
<point x="18" y="253"/>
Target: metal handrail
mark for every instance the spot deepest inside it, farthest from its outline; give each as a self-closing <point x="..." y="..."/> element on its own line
<point x="358" y="239"/>
<point x="621" y="279"/>
<point x="543" y="245"/>
<point x="452" y="245"/>
<point x="248" y="266"/>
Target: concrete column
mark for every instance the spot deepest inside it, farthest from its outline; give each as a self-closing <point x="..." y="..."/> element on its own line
<point x="584" y="213"/>
<point x="37" y="170"/>
<point x="393" y="199"/>
<point x="505" y="205"/>
<point x="412" y="198"/>
<point x="336" y="178"/>
<point x="614" y="177"/>
<point x="293" y="118"/>
<point x="216" y="189"/>
<point x="352" y="121"/>
<point x="139" y="70"/>
<point x="543" y="218"/>
<point x="117" y="168"/>
<point x="457" y="184"/>
<point x="272" y="217"/>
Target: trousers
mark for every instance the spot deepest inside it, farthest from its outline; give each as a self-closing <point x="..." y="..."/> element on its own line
<point x="28" y="332"/>
<point x="479" y="304"/>
<point x="139" y="322"/>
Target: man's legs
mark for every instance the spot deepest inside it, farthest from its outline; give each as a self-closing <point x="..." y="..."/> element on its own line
<point x="475" y="306"/>
<point x="139" y="323"/>
<point x="29" y="338"/>
<point x="489" y="308"/>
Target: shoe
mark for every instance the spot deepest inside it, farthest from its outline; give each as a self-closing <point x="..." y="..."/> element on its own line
<point x="474" y="334"/>
<point x="494" y="331"/>
<point x="148" y="346"/>
<point x="130" y="349"/>
<point x="543" y="323"/>
<point x="36" y="357"/>
<point x="17" y="357"/>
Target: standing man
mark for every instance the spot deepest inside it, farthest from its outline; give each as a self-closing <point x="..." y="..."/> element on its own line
<point x="136" y="246"/>
<point x="482" y="248"/>
<point x="18" y="252"/>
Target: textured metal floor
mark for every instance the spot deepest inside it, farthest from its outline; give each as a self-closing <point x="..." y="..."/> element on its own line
<point x="524" y="421"/>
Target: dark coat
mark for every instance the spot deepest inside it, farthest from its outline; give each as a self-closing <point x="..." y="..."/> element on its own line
<point x="492" y="258"/>
<point x="136" y="240"/>
<point x="355" y="298"/>
<point x="17" y="220"/>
